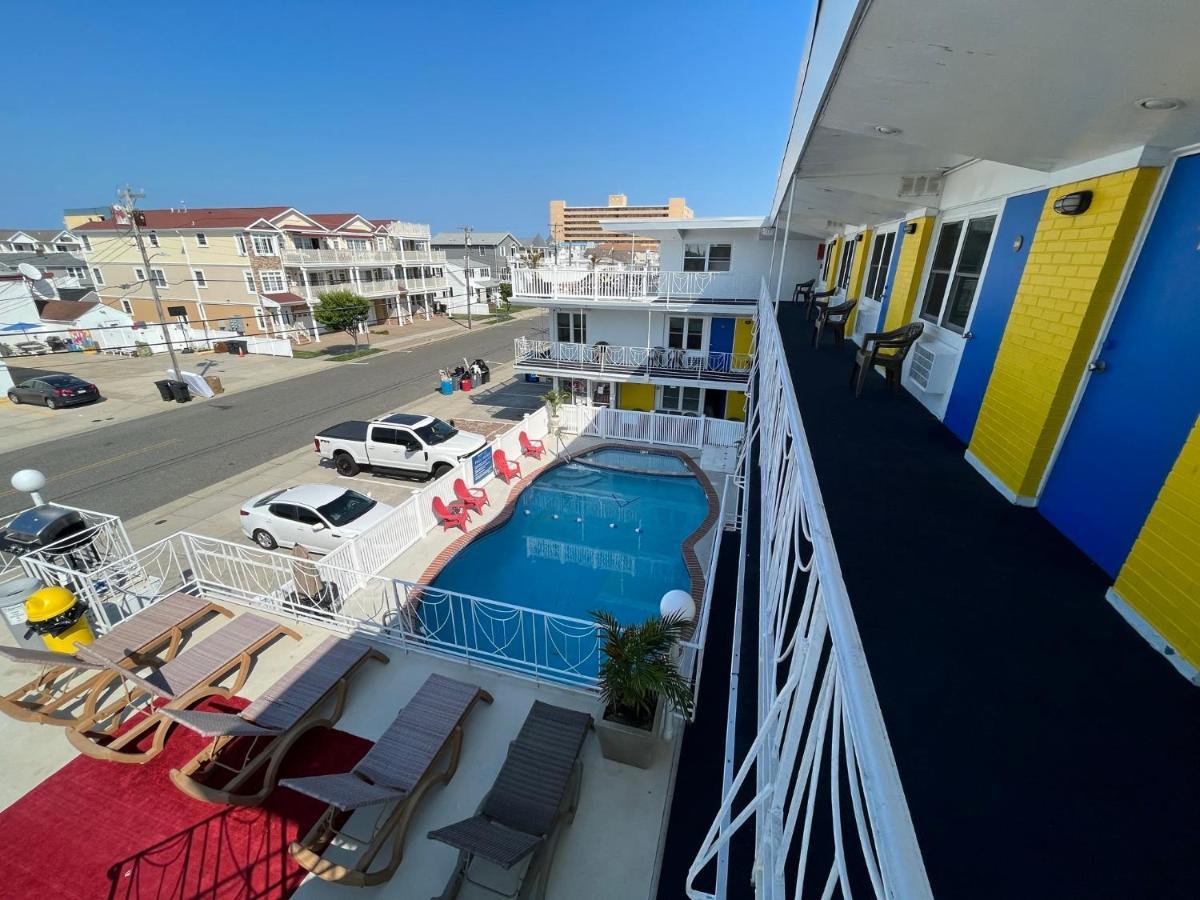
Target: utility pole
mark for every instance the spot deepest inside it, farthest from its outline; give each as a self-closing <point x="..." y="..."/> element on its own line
<point x="127" y="196"/>
<point x="467" y="269"/>
<point x="554" y="241"/>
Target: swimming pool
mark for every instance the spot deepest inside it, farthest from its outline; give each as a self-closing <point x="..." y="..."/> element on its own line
<point x="584" y="537"/>
<point x="645" y="461"/>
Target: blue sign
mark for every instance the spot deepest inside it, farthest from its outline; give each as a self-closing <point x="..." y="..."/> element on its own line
<point x="481" y="464"/>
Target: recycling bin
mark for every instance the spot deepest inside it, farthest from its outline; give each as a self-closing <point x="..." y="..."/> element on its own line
<point x="164" y="390"/>
<point x="12" y="606"/>
<point x="59" y="617"/>
<point x="447" y="386"/>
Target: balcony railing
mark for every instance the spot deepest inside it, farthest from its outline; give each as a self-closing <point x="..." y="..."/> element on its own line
<point x="564" y="283"/>
<point x="378" y="288"/>
<point x="369" y="257"/>
<point x="661" y="362"/>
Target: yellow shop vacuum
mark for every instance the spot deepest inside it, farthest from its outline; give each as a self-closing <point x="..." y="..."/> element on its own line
<point x="58" y="616"/>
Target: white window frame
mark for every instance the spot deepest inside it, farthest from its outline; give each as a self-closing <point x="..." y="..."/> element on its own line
<point x="201" y="239"/>
<point x="963" y="217"/>
<point x="846" y="263"/>
<point x="706" y="261"/>
<point x="577" y="327"/>
<point x="259" y="319"/>
<point x="251" y="287"/>
<point x="686" y="331"/>
<point x="97" y="276"/>
<point x="139" y="274"/>
<point x="268" y="240"/>
<point x="874" y="283"/>
<point x="199" y="278"/>
<point x="240" y="240"/>
<point x="159" y="277"/>
<point x="661" y="403"/>
<point x="152" y="236"/>
<point x="86" y="242"/>
<point x="273" y="274"/>
<point x="357" y="243"/>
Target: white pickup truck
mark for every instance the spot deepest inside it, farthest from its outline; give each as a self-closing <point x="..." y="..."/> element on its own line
<point x="404" y="442"/>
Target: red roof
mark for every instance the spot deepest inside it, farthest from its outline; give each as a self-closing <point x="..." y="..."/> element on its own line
<point x="65" y="310"/>
<point x="332" y="220"/>
<point x="285" y="297"/>
<point x="214" y="217"/>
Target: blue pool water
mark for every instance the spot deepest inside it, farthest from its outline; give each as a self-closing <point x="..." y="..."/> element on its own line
<point x="636" y="461"/>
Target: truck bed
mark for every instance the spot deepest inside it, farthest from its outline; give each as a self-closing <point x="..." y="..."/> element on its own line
<point x="346" y="431"/>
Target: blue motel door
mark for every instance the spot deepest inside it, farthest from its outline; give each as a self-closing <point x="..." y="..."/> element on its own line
<point x="1144" y="393"/>
<point x="720" y="343"/>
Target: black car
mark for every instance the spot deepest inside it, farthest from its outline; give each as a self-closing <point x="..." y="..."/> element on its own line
<point x="54" y="391"/>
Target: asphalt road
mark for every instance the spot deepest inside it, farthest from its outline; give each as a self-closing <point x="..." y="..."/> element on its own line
<point x="133" y="467"/>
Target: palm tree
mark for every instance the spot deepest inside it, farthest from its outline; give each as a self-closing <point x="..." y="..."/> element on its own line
<point x="639" y="667"/>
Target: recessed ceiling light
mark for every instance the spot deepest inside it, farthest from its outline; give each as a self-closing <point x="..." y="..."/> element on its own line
<point x="887" y="129"/>
<point x="1159" y="104"/>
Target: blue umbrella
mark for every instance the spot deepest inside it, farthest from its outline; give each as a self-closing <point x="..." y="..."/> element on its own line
<point x="21" y="326"/>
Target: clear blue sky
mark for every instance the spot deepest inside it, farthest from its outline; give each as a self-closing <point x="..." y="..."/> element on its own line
<point x="439" y="112"/>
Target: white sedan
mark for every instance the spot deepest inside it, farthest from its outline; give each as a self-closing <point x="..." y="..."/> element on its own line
<point x="320" y="517"/>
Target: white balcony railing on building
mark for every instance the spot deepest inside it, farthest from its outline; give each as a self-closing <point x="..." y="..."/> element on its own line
<point x="661" y="361"/>
<point x="821" y="736"/>
<point x="566" y="283"/>
<point x="694" y="432"/>
<point x="376" y="288"/>
<point x="367" y="257"/>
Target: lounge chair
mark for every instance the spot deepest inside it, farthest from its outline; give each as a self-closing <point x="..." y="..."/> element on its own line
<point x="191" y="676"/>
<point x="504" y="468"/>
<point x="63" y="687"/>
<point x="535" y="793"/>
<point x="452" y="516"/>
<point x="281" y="715"/>
<point x="474" y="499"/>
<point x="531" y="447"/>
<point x="399" y="769"/>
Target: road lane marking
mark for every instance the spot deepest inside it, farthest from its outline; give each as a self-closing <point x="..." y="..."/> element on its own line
<point x="102" y="462"/>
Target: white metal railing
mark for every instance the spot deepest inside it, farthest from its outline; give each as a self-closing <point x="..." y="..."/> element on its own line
<point x="820" y="729"/>
<point x="575" y="283"/>
<point x="340" y="257"/>
<point x="617" y="359"/>
<point x="650" y="428"/>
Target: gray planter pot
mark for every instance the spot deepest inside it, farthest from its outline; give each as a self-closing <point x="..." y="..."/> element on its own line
<point x="629" y="745"/>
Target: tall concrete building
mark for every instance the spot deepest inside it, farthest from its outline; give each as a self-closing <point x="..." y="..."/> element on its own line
<point x="581" y="224"/>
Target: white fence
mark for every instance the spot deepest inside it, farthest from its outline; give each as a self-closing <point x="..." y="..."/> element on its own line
<point x="591" y="358"/>
<point x="821" y="735"/>
<point x="650" y="428"/>
<point x="565" y="283"/>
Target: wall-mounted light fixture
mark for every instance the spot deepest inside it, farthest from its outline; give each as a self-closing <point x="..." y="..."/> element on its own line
<point x="910" y="228"/>
<point x="858" y="238"/>
<point x="1018" y="242"/>
<point x="1073" y="204"/>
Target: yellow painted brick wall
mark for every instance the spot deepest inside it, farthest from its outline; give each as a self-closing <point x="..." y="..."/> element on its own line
<point x="1065" y="292"/>
<point x="635" y="396"/>
<point x="735" y="405"/>
<point x="1161" y="575"/>
<point x="908" y="274"/>
<point x="857" y="268"/>
<point x="831" y="272"/>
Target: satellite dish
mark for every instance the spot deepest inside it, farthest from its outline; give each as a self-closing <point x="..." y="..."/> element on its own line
<point x="29" y="271"/>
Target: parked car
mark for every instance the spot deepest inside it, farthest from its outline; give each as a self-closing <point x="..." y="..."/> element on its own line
<point x="320" y="517"/>
<point x="33" y="348"/>
<point x="54" y="391"/>
<point x="403" y="442"/>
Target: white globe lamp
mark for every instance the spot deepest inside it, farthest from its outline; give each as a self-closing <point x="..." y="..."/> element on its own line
<point x="678" y="603"/>
<point x="29" y="481"/>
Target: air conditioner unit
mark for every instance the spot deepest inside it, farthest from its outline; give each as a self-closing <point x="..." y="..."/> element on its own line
<point x="932" y="367"/>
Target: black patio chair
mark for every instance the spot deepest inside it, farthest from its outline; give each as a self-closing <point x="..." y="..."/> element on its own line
<point x="886" y="349"/>
<point x="816" y="301"/>
<point x="834" y="318"/>
<point x="803" y="289"/>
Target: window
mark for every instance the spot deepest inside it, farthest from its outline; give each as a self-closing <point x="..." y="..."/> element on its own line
<point x="201" y="239"/>
<point x="97" y="275"/>
<point x="264" y="244"/>
<point x="707" y="257"/>
<point x="719" y="257"/>
<point x="64" y="248"/>
<point x="572" y="328"/>
<point x="306" y="516"/>
<point x="249" y="276"/>
<point x="76" y="272"/>
<point x="139" y="274"/>
<point x="127" y="306"/>
<point x="694" y="257"/>
<point x="685" y="333"/>
<point x="153" y="236"/>
<point x="198" y="277"/>
<point x="272" y="281"/>
<point x="356" y="244"/>
<point x="955" y="271"/>
<point x="241" y="244"/>
<point x="87" y="243"/>
<point x="160" y="277"/>
<point x="259" y="320"/>
<point x="846" y="264"/>
<point x="677" y="399"/>
<point x="881" y="255"/>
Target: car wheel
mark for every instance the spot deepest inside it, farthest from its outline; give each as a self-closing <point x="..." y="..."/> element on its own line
<point x="14" y="399"/>
<point x="264" y="540"/>
<point x="439" y="470"/>
<point x="345" y="465"/>
<point x="51" y="403"/>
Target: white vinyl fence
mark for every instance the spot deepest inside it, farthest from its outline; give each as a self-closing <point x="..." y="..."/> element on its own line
<point x="693" y="432"/>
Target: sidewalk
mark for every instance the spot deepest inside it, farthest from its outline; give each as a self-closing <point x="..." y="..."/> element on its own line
<point x="127" y="384"/>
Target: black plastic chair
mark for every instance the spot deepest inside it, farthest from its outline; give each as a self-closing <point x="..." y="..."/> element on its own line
<point x="834" y="318"/>
<point x="803" y="290"/>
<point x="816" y="301"/>
<point x="886" y="349"/>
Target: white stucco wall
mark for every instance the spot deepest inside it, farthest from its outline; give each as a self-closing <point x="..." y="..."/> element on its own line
<point x="750" y="254"/>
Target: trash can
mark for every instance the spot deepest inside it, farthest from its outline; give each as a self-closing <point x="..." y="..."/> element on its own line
<point x="485" y="372"/>
<point x="531" y="378"/>
<point x="164" y="390"/>
<point x="447" y="386"/>
<point x="58" y="616"/>
<point x="12" y="605"/>
<point x="180" y="391"/>
<point x="466" y="383"/>
<point x="236" y="348"/>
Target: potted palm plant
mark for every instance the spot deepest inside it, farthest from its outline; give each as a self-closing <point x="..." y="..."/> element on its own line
<point x="639" y="678"/>
<point x="554" y="401"/>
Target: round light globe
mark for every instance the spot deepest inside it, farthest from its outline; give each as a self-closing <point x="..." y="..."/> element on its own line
<point x="28" y="481"/>
<point x="678" y="602"/>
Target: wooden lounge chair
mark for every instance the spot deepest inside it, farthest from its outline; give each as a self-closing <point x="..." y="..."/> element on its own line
<point x="187" y="679"/>
<point x="834" y="318"/>
<point x="531" y="447"/>
<point x="520" y="819"/>
<point x="886" y="349"/>
<point x="281" y="715"/>
<point x="474" y="499"/>
<point x="399" y="769"/>
<point x="67" y="685"/>
<point x="452" y="516"/>
<point x="504" y="468"/>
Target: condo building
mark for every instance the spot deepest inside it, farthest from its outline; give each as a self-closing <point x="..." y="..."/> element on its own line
<point x="582" y="224"/>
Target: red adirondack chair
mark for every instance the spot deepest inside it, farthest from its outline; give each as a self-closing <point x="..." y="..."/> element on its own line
<point x="474" y="499"/>
<point x="531" y="448"/>
<point x="504" y="468"/>
<point x="454" y="515"/>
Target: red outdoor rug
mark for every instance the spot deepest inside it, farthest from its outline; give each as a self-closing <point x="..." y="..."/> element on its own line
<point x="98" y="829"/>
